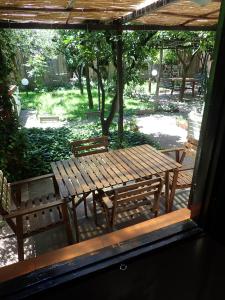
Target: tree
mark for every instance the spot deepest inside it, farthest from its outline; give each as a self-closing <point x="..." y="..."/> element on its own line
<point x="68" y="42"/>
<point x="35" y="47"/>
<point x="98" y="50"/>
<point x="184" y="46"/>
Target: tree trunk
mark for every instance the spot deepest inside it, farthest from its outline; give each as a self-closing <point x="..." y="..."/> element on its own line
<point x="149" y="78"/>
<point x="106" y="123"/>
<point x="186" y="67"/>
<point x="88" y="86"/>
<point x="80" y="81"/>
<point x="182" y="88"/>
<point x="120" y="85"/>
<point x="99" y="94"/>
<point x="160" y="71"/>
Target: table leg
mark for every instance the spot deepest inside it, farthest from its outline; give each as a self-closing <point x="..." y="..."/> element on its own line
<point x="66" y="218"/>
<point x="75" y="221"/>
<point x="167" y="196"/>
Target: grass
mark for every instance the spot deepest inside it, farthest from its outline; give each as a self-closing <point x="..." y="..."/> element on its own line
<point x="70" y="104"/>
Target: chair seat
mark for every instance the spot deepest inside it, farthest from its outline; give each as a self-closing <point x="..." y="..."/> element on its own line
<point x="184" y="179"/>
<point x="41" y="220"/>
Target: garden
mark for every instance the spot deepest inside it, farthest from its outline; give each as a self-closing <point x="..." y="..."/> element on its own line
<point x="73" y="75"/>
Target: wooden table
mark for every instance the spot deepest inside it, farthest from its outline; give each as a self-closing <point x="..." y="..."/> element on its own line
<point x="77" y="176"/>
<point x="190" y="80"/>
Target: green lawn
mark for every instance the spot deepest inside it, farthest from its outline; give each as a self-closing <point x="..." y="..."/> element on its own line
<point x="71" y="105"/>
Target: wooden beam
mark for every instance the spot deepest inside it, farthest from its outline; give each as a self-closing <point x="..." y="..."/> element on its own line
<point x="57" y="10"/>
<point x="100" y="26"/>
<point x="146" y="10"/>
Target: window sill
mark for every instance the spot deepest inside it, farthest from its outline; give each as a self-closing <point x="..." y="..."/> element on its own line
<point x="74" y="261"/>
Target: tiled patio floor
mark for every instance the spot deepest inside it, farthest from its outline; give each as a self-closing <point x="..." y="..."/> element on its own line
<point x="56" y="238"/>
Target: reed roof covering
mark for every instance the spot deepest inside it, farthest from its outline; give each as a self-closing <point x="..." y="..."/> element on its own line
<point x="164" y="13"/>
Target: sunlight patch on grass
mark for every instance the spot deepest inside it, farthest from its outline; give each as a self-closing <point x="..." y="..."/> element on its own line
<point x="71" y="105"/>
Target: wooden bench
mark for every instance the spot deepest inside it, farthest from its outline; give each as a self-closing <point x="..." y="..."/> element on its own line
<point x="48" y="118"/>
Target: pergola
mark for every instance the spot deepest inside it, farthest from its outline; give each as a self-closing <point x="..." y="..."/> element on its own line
<point x="116" y="15"/>
<point x="110" y="14"/>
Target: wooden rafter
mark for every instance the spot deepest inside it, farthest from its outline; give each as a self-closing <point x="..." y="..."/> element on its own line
<point x="146" y="10"/>
<point x="205" y="16"/>
<point x="70" y="7"/>
<point x="202" y="16"/>
<point x="70" y="4"/>
<point x="57" y="10"/>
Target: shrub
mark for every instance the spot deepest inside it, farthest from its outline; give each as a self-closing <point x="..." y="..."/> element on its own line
<point x="47" y="145"/>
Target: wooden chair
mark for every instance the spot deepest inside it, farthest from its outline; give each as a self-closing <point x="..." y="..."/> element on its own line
<point x="181" y="178"/>
<point x="86" y="147"/>
<point x="90" y="146"/>
<point x="27" y="218"/>
<point x="129" y="197"/>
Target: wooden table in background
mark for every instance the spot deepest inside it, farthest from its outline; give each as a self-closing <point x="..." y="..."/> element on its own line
<point x="77" y="176"/>
<point x="187" y="80"/>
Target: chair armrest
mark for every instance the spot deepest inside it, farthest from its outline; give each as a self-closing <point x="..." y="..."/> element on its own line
<point x="107" y="201"/>
<point x="27" y="211"/>
<point x="28" y="180"/>
<point x="103" y="198"/>
<point x="171" y="150"/>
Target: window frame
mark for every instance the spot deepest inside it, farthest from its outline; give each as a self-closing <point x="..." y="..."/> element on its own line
<point x="205" y="203"/>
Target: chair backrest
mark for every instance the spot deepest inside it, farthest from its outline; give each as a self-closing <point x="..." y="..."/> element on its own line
<point x="5" y="195"/>
<point x="190" y="148"/>
<point x="138" y="191"/>
<point x="90" y="146"/>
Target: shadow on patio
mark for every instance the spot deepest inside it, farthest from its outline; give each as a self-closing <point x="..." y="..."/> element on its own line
<point x="56" y="238"/>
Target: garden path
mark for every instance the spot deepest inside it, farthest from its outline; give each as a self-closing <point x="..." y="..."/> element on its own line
<point x="164" y="128"/>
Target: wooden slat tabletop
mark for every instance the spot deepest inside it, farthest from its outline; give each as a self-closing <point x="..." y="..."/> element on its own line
<point x="97" y="171"/>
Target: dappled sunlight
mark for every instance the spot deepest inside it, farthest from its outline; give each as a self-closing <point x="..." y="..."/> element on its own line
<point x="8" y="247"/>
<point x="56" y="238"/>
<point x="164" y="128"/>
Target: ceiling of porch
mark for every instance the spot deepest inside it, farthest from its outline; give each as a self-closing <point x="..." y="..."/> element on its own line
<point x="161" y="13"/>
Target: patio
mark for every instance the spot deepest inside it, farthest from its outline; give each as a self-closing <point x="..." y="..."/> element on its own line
<point x="56" y="238"/>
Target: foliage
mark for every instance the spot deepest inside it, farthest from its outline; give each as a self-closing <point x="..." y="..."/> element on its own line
<point x="170" y="57"/>
<point x="98" y="50"/>
<point x="7" y="55"/>
<point x="36" y="48"/>
<point x="47" y="145"/>
<point x="182" y="47"/>
<point x="12" y="139"/>
<point x="38" y="67"/>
